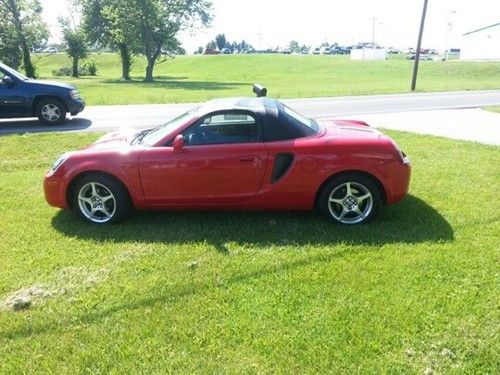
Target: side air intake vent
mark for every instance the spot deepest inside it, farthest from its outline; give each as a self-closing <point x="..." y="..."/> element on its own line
<point x="282" y="164"/>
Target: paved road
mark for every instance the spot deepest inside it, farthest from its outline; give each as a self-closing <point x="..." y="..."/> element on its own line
<point x="104" y="118"/>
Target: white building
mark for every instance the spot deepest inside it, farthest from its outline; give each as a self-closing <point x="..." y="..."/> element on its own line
<point x="368" y="54"/>
<point x="481" y="44"/>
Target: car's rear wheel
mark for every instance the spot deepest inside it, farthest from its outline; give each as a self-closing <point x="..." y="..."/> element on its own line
<point x="350" y="199"/>
<point x="51" y="111"/>
<point x="100" y="199"/>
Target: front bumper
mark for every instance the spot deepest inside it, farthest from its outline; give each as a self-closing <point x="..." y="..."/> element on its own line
<point x="55" y="190"/>
<point x="75" y="106"/>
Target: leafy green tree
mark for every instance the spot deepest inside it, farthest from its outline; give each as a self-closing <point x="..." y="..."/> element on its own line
<point x="109" y="23"/>
<point x="294" y="46"/>
<point x="220" y="41"/>
<point x="76" y="42"/>
<point x="157" y="23"/>
<point x="25" y="27"/>
<point x="211" y="45"/>
<point x="10" y="53"/>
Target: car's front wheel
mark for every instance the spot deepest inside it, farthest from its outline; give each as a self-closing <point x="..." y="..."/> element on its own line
<point x="51" y="111"/>
<point x="100" y="199"/>
<point x="350" y="199"/>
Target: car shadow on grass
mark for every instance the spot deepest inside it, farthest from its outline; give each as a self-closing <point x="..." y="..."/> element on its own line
<point x="411" y="221"/>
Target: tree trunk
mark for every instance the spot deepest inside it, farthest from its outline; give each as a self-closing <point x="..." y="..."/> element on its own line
<point x="126" y="61"/>
<point x="29" y="68"/>
<point x="75" y="67"/>
<point x="149" y="70"/>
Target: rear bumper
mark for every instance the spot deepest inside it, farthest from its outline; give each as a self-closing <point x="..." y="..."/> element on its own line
<point x="75" y="106"/>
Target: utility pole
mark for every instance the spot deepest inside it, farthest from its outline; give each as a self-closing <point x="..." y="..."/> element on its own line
<point x="419" y="45"/>
<point x="373" y="29"/>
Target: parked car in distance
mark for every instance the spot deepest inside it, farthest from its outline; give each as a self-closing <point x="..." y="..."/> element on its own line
<point x="316" y="51"/>
<point x="225" y="51"/>
<point x="237" y="154"/>
<point x="24" y="97"/>
<point x="337" y="50"/>
<point x="423" y="57"/>
<point x="211" y="51"/>
<point x="50" y="50"/>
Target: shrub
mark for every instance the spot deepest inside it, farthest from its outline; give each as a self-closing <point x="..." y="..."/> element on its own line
<point x="67" y="72"/>
<point x="62" y="72"/>
<point x="91" y="67"/>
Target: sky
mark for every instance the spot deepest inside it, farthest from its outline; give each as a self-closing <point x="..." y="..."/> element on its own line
<point x="274" y="23"/>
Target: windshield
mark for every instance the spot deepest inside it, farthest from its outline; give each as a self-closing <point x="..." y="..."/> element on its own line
<point x="11" y="72"/>
<point x="311" y="124"/>
<point x="157" y="134"/>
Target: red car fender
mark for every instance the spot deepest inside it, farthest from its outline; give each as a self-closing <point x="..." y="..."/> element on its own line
<point x="125" y="172"/>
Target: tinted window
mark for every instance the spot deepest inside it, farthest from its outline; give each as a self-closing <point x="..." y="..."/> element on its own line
<point x="223" y="128"/>
<point x="288" y="124"/>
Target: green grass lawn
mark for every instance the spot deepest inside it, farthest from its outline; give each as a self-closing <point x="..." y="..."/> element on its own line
<point x="199" y="78"/>
<point x="255" y="292"/>
<point x="495" y="108"/>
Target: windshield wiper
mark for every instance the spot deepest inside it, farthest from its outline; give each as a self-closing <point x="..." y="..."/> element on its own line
<point x="140" y="136"/>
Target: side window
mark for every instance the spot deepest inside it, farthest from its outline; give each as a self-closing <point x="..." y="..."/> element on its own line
<point x="223" y="128"/>
<point x="2" y="74"/>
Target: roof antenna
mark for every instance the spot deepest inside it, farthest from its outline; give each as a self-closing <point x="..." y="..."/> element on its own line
<point x="259" y="90"/>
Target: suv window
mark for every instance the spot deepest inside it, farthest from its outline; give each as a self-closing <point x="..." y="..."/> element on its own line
<point x="2" y="74"/>
<point x="223" y="128"/>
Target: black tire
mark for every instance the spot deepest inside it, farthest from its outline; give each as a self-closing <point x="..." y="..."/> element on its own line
<point x="336" y="189"/>
<point x="111" y="202"/>
<point x="51" y="111"/>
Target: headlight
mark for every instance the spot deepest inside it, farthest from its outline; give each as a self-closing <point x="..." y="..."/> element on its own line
<point x="60" y="161"/>
<point x="74" y="94"/>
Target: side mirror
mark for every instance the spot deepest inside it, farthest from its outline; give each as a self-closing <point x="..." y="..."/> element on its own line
<point x="8" y="81"/>
<point x="178" y="144"/>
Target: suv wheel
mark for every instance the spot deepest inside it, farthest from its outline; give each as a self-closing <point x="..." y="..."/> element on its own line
<point x="51" y="111"/>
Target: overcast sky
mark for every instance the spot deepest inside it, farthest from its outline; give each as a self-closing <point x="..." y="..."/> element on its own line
<point x="272" y="23"/>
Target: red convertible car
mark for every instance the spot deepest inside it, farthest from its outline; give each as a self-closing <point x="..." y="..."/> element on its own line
<point x="240" y="153"/>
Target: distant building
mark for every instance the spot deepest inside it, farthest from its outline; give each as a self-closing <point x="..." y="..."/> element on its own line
<point x="368" y="51"/>
<point x="481" y="44"/>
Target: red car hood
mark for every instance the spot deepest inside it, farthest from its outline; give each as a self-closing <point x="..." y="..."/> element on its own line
<point x="115" y="140"/>
<point x="349" y="128"/>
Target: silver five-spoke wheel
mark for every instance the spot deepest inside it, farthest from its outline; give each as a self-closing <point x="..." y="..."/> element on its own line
<point x="350" y="203"/>
<point x="350" y="198"/>
<point x="97" y="203"/>
<point x="51" y="112"/>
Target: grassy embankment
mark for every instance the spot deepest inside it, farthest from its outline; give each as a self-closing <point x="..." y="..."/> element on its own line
<point x="198" y="78"/>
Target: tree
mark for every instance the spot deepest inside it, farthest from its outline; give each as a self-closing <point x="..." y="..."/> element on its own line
<point x="211" y="45"/>
<point x="220" y="41"/>
<point x="108" y="23"/>
<point x="23" y="18"/>
<point x="10" y="52"/>
<point x="74" y="37"/>
<point x="158" y="22"/>
<point x="294" y="46"/>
